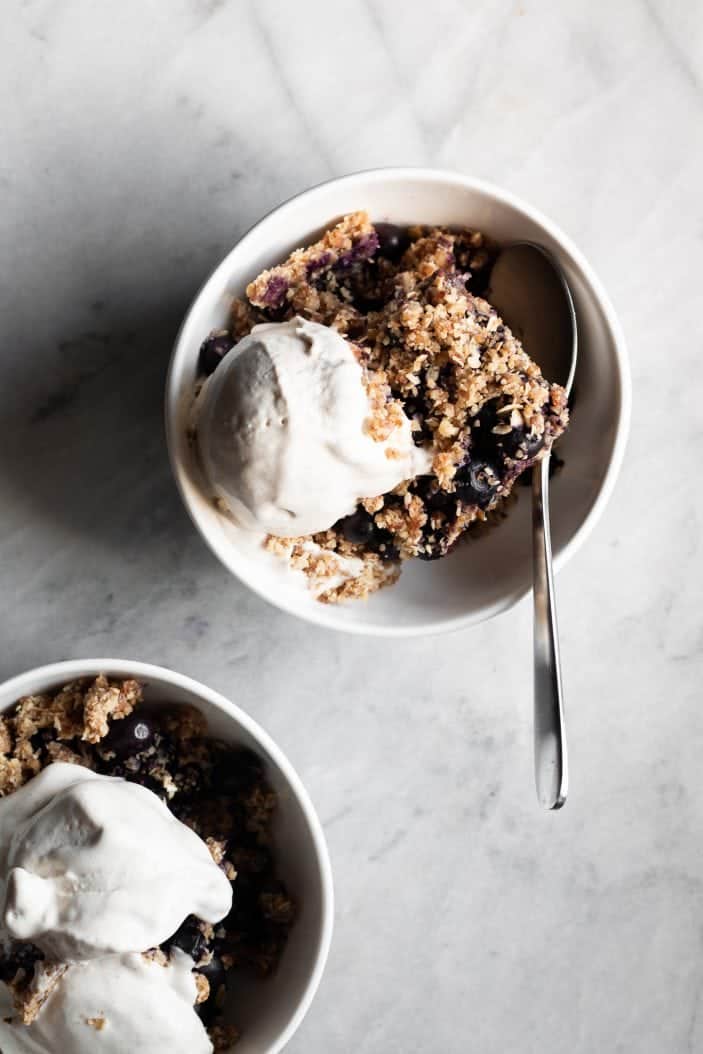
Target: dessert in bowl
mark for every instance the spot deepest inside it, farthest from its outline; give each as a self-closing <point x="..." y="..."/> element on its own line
<point x="358" y="316"/>
<point x="165" y="880"/>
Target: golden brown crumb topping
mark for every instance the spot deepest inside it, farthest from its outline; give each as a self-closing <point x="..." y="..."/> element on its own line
<point x="79" y="713"/>
<point x="412" y="302"/>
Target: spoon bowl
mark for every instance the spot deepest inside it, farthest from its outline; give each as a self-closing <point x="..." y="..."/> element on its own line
<point x="530" y="292"/>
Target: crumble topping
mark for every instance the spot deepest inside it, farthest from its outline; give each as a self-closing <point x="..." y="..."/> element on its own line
<point x="104" y="700"/>
<point x="218" y="849"/>
<point x="78" y="714"/>
<point x="79" y="711"/>
<point x="412" y="303"/>
<point x="218" y="790"/>
<point x="335" y="570"/>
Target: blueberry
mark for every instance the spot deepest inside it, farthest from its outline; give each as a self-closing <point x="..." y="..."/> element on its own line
<point x="447" y="379"/>
<point x="532" y="444"/>
<point x="207" y="1012"/>
<point x="276" y="290"/>
<point x="358" y="528"/>
<point x="217" y="978"/>
<point x="482" y="425"/>
<point x="518" y="443"/>
<point x="416" y="406"/>
<point x="244" y="915"/>
<point x="38" y="741"/>
<point x="236" y="770"/>
<point x="435" y="499"/>
<point x="20" y="957"/>
<point x="477" y="483"/>
<point x="439" y="501"/>
<point x="508" y="444"/>
<point x="381" y="543"/>
<point x="364" y="248"/>
<point x="213" y="351"/>
<point x="109" y="766"/>
<point x="130" y="735"/>
<point x="253" y="861"/>
<point x="189" y="939"/>
<point x="392" y="240"/>
<point x="365" y="304"/>
<point x="434" y="535"/>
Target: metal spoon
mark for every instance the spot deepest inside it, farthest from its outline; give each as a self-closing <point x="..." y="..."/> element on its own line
<point x="530" y="292"/>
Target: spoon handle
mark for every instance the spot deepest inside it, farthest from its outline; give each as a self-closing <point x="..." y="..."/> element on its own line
<point x="551" y="770"/>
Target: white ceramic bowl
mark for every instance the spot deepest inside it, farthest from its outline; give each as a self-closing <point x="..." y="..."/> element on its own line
<point x="479" y="579"/>
<point x="269" y="1011"/>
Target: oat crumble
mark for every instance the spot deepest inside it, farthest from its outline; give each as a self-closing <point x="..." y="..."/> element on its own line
<point x="219" y="791"/>
<point x="411" y="301"/>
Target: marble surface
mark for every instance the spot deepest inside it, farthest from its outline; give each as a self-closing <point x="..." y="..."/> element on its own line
<point x="139" y="141"/>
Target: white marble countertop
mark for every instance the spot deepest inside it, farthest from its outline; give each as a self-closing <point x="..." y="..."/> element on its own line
<point x="139" y="141"/>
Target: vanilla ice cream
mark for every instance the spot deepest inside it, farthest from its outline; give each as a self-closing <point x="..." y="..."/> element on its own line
<point x="93" y="865"/>
<point x="112" y="1005"/>
<point x="283" y="432"/>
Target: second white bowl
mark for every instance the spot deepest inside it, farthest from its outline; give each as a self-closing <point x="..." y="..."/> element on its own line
<point x="268" y="1011"/>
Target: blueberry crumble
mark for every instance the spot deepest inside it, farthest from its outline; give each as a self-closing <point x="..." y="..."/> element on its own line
<point x="218" y="791"/>
<point x="410" y="302"/>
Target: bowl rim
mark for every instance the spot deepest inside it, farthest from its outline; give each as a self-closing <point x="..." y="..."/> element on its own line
<point x="325" y="616"/>
<point x="24" y="683"/>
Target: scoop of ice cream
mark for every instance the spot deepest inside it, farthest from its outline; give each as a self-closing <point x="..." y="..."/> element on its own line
<point x="112" y="1005"/>
<point x="92" y="865"/>
<point x="285" y="431"/>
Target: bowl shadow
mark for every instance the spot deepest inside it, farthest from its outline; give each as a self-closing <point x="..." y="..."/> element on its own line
<point x="84" y="446"/>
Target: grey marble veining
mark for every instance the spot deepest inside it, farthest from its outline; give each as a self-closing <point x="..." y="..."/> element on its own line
<point x="139" y="142"/>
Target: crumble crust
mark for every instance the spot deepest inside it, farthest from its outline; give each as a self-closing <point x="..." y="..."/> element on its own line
<point x="79" y="713"/>
<point x="353" y="239"/>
